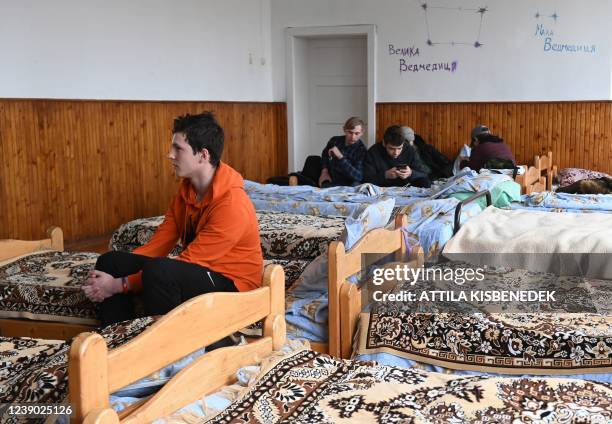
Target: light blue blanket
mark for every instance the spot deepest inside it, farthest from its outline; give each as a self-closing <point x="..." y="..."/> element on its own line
<point x="565" y="202"/>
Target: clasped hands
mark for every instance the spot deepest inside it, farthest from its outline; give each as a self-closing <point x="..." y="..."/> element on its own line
<point x="100" y="285"/>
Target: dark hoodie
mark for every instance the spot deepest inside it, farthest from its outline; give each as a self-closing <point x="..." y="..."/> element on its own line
<point x="219" y="232"/>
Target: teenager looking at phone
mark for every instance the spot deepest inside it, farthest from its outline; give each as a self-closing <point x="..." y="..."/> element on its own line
<point x="393" y="162"/>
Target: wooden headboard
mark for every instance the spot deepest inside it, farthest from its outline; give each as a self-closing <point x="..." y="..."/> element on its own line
<point x="547" y="170"/>
<point x="10" y="248"/>
<point x="344" y="297"/>
<point x="94" y="372"/>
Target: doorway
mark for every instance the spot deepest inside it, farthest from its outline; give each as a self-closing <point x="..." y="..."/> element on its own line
<point x="331" y="77"/>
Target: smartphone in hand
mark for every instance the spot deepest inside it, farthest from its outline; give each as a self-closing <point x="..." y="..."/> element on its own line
<point x="401" y="166"/>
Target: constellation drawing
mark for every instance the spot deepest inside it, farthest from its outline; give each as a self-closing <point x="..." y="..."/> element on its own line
<point x="428" y="6"/>
<point x="553" y="16"/>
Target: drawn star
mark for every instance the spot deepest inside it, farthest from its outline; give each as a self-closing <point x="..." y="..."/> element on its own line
<point x="537" y="15"/>
<point x="477" y="44"/>
<point x="482" y="10"/>
<point x="554" y="16"/>
<point x="429" y="43"/>
<point x="424" y="6"/>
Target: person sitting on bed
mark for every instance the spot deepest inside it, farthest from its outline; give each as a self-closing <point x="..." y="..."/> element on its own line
<point x="487" y="147"/>
<point x="212" y="217"/>
<point x="342" y="157"/>
<point x="393" y="162"/>
<point x="409" y="139"/>
<point x="435" y="164"/>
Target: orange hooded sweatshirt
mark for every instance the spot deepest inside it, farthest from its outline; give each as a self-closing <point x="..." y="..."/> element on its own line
<point x="219" y="232"/>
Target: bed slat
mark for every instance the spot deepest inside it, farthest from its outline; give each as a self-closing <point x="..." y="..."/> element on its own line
<point x="206" y="375"/>
<point x="196" y="329"/>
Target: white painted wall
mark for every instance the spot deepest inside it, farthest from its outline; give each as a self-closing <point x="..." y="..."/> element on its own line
<point x="135" y="49"/>
<point x="512" y="64"/>
<point x="199" y="49"/>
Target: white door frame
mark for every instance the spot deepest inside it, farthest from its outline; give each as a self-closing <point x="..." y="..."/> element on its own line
<point x="326" y="31"/>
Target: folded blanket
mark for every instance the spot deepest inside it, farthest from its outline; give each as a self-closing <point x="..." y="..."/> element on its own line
<point x="537" y="241"/>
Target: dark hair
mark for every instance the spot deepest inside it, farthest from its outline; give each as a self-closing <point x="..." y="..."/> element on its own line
<point x="489" y="138"/>
<point x="393" y="136"/>
<point x="352" y="123"/>
<point x="202" y="132"/>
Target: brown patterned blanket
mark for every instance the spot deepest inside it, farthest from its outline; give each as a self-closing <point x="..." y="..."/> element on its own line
<point x="551" y="341"/>
<point x="283" y="235"/>
<point x="308" y="387"/>
<point x="47" y="286"/>
<point x="35" y="370"/>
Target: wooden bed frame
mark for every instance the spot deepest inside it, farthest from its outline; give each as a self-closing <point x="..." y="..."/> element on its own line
<point x="531" y="181"/>
<point x="10" y="248"/>
<point x="16" y="327"/>
<point x="547" y="170"/>
<point x="344" y="297"/>
<point x="94" y="372"/>
<point x="376" y="241"/>
<point x="538" y="177"/>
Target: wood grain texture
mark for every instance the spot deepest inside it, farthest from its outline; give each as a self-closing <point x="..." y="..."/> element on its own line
<point x="578" y="133"/>
<point x="89" y="166"/>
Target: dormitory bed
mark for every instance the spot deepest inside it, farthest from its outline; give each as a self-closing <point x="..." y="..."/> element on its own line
<point x="41" y="293"/>
<point x="581" y="322"/>
<point x="290" y="240"/>
<point x="293" y="383"/>
<point x="42" y="288"/>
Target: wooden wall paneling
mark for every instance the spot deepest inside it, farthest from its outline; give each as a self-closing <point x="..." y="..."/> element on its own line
<point x="596" y="151"/>
<point x="608" y="131"/>
<point x="6" y="162"/>
<point x="541" y="131"/>
<point x="562" y="154"/>
<point x="593" y="126"/>
<point x="4" y="166"/>
<point x="89" y="166"/>
<point x="578" y="133"/>
<point x="529" y="140"/>
<point x="575" y="139"/>
<point x="602" y="135"/>
<point x="582" y="138"/>
<point x="605" y="154"/>
<point x="588" y="134"/>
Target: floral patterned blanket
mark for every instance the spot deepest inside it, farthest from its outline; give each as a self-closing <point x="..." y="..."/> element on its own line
<point x="308" y="387"/>
<point x="283" y="235"/>
<point x="571" y="336"/>
<point x="36" y="370"/>
<point x="47" y="286"/>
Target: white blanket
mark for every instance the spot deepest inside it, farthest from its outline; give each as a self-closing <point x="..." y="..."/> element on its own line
<point x="562" y="243"/>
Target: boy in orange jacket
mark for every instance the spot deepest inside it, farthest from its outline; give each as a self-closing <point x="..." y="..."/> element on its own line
<point x="212" y="217"/>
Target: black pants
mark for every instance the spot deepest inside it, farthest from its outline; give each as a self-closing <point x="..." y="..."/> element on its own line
<point x="419" y="181"/>
<point x="166" y="283"/>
